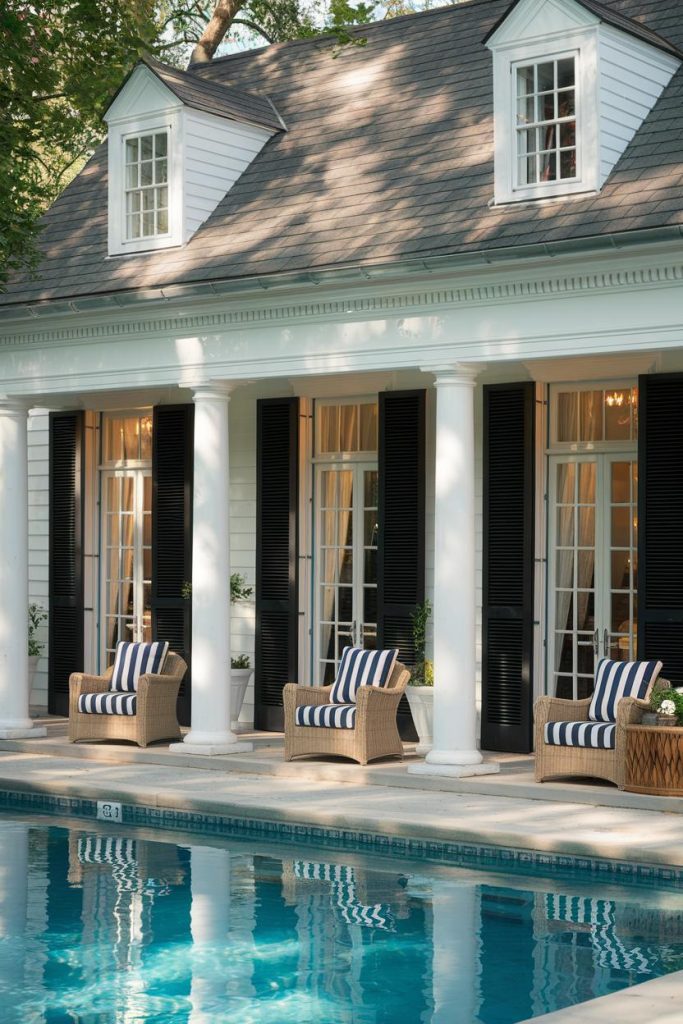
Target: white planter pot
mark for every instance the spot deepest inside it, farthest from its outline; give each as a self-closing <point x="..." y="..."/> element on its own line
<point x="33" y="660"/>
<point x="239" y="680"/>
<point x="421" y="701"/>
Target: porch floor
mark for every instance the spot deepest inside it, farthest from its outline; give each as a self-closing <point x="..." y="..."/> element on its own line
<point x="381" y="798"/>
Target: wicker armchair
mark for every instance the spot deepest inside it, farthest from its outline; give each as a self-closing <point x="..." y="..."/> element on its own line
<point x="375" y="733"/>
<point x="551" y="761"/>
<point x="155" y="717"/>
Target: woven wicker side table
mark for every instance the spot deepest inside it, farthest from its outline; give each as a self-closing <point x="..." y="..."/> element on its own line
<point x="654" y="760"/>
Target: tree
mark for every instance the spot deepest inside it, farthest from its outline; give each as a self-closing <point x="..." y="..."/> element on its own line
<point x="62" y="62"/>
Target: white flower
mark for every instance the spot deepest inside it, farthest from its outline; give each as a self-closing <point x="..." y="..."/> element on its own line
<point x="667" y="707"/>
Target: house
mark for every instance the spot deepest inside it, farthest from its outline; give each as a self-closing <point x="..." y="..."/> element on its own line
<point x="401" y="322"/>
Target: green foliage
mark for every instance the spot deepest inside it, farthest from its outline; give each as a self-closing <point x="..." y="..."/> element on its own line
<point x="36" y="616"/>
<point x="241" y="661"/>
<point x="60" y="63"/>
<point x="422" y="672"/>
<point x="658" y="697"/>
<point x="239" y="590"/>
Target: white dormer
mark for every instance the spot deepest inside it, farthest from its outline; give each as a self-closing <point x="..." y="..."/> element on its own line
<point x="573" y="82"/>
<point x="177" y="144"/>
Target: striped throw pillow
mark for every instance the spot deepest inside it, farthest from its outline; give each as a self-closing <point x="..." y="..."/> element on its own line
<point x="361" y="668"/>
<point x="617" y="679"/>
<point x="133" y="661"/>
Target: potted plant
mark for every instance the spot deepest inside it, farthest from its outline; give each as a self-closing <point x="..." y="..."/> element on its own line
<point x="420" y="690"/>
<point x="240" y="666"/>
<point x="36" y="616"/>
<point x="668" y="704"/>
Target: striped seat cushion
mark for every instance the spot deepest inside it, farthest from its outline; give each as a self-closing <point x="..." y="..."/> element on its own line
<point x="361" y="668"/>
<point x="135" y="660"/>
<point x="598" y="735"/>
<point x="617" y="679"/>
<point x="107" y="703"/>
<point x="330" y="716"/>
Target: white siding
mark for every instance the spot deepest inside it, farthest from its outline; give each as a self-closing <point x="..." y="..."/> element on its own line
<point x="216" y="152"/>
<point x="632" y="77"/>
<point x="38" y="512"/>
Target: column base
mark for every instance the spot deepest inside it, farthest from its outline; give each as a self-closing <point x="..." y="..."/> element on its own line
<point x="454" y="771"/>
<point x="22" y="731"/>
<point x="211" y="744"/>
<point x="422" y="749"/>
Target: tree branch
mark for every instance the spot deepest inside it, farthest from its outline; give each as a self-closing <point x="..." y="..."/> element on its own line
<point x="254" y="27"/>
<point x="214" y="33"/>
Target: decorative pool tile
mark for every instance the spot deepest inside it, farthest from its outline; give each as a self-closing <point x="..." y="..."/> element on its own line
<point x="468" y="853"/>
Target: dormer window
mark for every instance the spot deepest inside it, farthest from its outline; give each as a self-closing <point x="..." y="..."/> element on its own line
<point x="572" y="83"/>
<point x="146" y="185"/>
<point x="546" y="121"/>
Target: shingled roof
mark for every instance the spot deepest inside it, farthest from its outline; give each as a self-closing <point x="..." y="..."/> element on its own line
<point x="388" y="157"/>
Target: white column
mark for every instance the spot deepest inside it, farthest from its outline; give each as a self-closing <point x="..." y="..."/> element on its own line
<point x="210" y="924"/>
<point x="454" y="752"/>
<point x="15" y="722"/>
<point x="210" y="731"/>
<point x="456" y="942"/>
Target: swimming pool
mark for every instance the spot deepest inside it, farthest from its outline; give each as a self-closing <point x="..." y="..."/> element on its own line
<point x="107" y="925"/>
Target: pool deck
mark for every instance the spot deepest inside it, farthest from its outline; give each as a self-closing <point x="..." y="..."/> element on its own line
<point x="507" y="809"/>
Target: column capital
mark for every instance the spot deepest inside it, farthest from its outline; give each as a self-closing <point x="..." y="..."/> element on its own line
<point x="213" y="389"/>
<point x="453" y="373"/>
<point x="14" y="404"/>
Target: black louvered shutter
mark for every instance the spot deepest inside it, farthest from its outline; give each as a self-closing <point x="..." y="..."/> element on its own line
<point x="172" y="470"/>
<point x="65" y="588"/>
<point x="508" y="567"/>
<point x="660" y="522"/>
<point x="277" y="601"/>
<point x="401" y="554"/>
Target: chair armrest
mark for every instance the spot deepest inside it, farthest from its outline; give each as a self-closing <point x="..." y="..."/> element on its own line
<point x="150" y="682"/>
<point x="377" y="697"/>
<point x="630" y="711"/>
<point x="557" y="709"/>
<point x="81" y="682"/>
<point x="293" y="695"/>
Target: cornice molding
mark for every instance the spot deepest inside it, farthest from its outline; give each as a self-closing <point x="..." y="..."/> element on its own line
<point x="270" y="314"/>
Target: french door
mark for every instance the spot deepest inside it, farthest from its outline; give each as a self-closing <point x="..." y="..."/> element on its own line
<point x="345" y="599"/>
<point x="592" y="573"/>
<point x="127" y="558"/>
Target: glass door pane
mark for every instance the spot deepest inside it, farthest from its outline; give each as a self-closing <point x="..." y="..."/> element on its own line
<point x="368" y="613"/>
<point x="336" y="562"/>
<point x="573" y="576"/>
<point x="619" y="633"/>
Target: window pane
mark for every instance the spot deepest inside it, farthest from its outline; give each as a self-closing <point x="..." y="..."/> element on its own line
<point x="161" y="171"/>
<point x="621" y="523"/>
<point x="587" y="483"/>
<point x="591" y="415"/>
<point x="617" y="416"/>
<point x="162" y="222"/>
<point x="349" y="428"/>
<point x="546" y="107"/>
<point x="131" y="151"/>
<point x="566" y="104"/>
<point x="146" y="450"/>
<point x="565" y="528"/>
<point x="161" y="146"/>
<point x="546" y="76"/>
<point x="621" y="482"/>
<point x="113" y="452"/>
<point x="132" y="176"/>
<point x="368" y="427"/>
<point x="565" y="72"/>
<point x="567" y="416"/>
<point x="527" y="170"/>
<point x="146" y="147"/>
<point x="568" y="163"/>
<point x="525" y="80"/>
<point x="548" y="167"/>
<point x="133" y="202"/>
<point x="148" y="224"/>
<point x="162" y="198"/>
<point x="146" y="172"/>
<point x="586" y="537"/>
<point x="527" y="141"/>
<point x="328" y="428"/>
<point x="568" y="133"/>
<point x="566" y="479"/>
<point x="621" y="570"/>
<point x="565" y="569"/>
<point x="148" y="199"/>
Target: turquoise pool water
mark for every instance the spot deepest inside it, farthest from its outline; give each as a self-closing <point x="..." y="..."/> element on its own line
<point x="99" y="926"/>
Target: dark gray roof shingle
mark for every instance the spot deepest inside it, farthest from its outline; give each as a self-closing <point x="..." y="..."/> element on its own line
<point x="388" y="156"/>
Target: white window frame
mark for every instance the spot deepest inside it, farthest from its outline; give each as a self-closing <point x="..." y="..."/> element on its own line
<point x="516" y="129"/>
<point x="153" y="186"/>
<point x="582" y="45"/>
<point x="170" y="122"/>
<point x="585" y="447"/>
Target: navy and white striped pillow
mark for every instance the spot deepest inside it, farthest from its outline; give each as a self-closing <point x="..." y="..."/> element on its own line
<point x="617" y="679"/>
<point x="361" y="668"/>
<point x="135" y="660"/>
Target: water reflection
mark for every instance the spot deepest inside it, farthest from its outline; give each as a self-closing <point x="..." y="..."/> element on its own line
<point x="101" y="928"/>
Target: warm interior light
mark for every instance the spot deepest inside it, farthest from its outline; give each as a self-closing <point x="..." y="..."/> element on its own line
<point x="617" y="399"/>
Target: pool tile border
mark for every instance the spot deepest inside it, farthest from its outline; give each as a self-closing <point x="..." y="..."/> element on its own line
<point x="463" y="854"/>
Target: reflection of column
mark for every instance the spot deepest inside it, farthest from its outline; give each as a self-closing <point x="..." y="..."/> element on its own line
<point x="13" y="906"/>
<point x="455" y="742"/>
<point x="15" y="722"/>
<point x="209" y="922"/>
<point x="210" y="732"/>
<point x="455" y="938"/>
